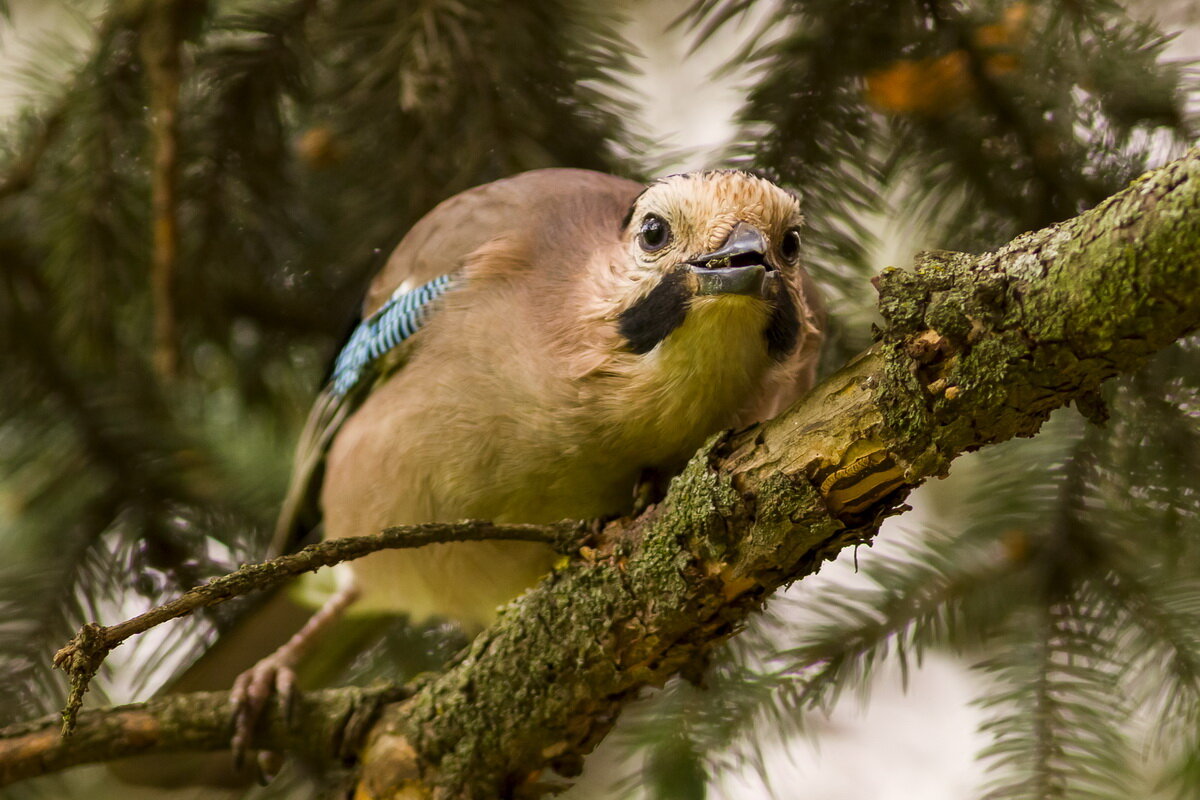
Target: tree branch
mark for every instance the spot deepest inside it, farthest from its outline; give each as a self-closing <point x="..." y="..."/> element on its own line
<point x="975" y="350"/>
<point x="82" y="656"/>
<point x="326" y="726"/>
<point x="164" y="28"/>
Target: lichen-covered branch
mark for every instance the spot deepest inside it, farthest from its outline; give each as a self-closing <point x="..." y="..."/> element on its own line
<point x="976" y="350"/>
<point x="325" y="727"/>
<point x="82" y="656"/>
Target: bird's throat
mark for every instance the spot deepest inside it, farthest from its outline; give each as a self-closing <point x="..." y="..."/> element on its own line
<point x="652" y="318"/>
<point x="702" y="373"/>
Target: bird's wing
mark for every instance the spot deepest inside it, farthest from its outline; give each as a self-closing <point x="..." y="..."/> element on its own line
<point x="401" y="298"/>
<point x="376" y="350"/>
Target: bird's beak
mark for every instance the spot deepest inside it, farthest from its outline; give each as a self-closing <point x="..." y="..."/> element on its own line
<point x="738" y="266"/>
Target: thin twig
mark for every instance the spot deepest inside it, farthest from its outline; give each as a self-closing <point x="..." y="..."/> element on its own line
<point x="161" y="43"/>
<point x="84" y="654"/>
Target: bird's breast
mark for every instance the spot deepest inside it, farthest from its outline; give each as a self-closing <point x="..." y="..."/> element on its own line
<point x="697" y="378"/>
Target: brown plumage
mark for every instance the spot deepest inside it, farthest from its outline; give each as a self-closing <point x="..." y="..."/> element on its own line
<point x="595" y="328"/>
<point x="572" y="353"/>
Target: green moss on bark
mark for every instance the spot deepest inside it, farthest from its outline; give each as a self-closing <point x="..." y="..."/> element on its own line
<point x="975" y="350"/>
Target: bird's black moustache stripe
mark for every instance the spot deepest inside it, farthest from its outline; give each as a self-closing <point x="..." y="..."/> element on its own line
<point x="783" y="329"/>
<point x="651" y="319"/>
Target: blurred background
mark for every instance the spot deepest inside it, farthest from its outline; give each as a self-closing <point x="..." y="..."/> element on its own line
<point x="193" y="194"/>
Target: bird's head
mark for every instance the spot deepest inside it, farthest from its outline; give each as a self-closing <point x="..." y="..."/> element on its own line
<point x="722" y="239"/>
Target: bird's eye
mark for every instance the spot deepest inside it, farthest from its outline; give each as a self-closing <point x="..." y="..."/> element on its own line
<point x="789" y="248"/>
<point x="655" y="233"/>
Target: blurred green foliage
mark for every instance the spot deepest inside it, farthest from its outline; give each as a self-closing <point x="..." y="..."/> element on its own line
<point x="312" y="134"/>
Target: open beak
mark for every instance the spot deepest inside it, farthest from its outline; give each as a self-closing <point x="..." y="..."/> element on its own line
<point x="738" y="266"/>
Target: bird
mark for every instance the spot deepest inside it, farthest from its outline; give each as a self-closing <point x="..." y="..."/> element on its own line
<point x="531" y="348"/>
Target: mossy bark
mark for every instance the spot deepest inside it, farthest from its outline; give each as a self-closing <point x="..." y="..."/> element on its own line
<point x="975" y="350"/>
<point x="321" y="727"/>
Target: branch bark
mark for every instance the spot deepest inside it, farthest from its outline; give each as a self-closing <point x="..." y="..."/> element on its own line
<point x="82" y="656"/>
<point x="326" y="726"/>
<point x="165" y="26"/>
<point x="975" y="350"/>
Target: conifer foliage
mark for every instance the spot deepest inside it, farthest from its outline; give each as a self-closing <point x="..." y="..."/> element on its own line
<point x="189" y="214"/>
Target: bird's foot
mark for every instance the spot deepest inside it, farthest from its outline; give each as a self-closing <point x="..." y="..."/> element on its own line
<point x="651" y="487"/>
<point x="272" y="676"/>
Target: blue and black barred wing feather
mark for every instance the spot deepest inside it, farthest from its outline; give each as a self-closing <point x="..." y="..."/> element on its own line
<point x="378" y="348"/>
<point x="436" y="249"/>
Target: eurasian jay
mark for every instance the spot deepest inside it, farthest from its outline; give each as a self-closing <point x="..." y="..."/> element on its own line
<point x="533" y="345"/>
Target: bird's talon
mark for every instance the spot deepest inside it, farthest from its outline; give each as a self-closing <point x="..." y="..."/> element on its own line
<point x="285" y="690"/>
<point x="251" y="692"/>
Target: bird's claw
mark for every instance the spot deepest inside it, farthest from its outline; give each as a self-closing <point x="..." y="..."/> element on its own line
<point x="651" y="487"/>
<point x="272" y="676"/>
